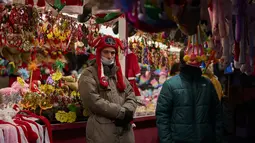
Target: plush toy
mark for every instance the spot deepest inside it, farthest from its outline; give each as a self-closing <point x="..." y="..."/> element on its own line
<point x="71" y="81"/>
<point x="79" y="48"/>
<point x="12" y="57"/>
<point x="163" y="77"/>
<point x="35" y="86"/>
<point x="221" y="19"/>
<point x="26" y="57"/>
<point x="6" y="54"/>
<point x="240" y="42"/>
<point x="251" y="45"/>
<point x="12" y="95"/>
<point x="228" y="40"/>
<point x="209" y="74"/>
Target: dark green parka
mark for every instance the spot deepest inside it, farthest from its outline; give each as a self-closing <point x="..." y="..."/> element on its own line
<point x="188" y="109"/>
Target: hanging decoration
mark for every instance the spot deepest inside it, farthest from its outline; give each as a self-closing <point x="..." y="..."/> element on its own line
<point x="32" y="67"/>
<point x="194" y="53"/>
<point x="56" y="4"/>
<point x="85" y="16"/>
<point x="103" y="18"/>
<point x="131" y="30"/>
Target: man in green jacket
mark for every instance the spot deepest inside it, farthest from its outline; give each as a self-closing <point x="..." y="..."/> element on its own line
<point x="188" y="108"/>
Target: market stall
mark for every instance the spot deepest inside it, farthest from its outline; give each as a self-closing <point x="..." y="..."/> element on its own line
<point x="37" y="62"/>
<point x="45" y="44"/>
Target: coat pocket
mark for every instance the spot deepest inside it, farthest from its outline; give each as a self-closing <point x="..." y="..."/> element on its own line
<point x="104" y="130"/>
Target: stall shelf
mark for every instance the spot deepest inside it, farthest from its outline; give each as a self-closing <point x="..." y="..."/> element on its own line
<point x="145" y="131"/>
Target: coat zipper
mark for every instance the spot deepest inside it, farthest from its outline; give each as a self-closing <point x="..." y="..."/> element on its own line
<point x="194" y="107"/>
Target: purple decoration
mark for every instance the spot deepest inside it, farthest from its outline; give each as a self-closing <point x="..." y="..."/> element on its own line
<point x="50" y="80"/>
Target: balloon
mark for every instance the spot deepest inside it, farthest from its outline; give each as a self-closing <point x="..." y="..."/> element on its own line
<point x="131" y="30"/>
<point x="85" y="16"/>
<point x="56" y="4"/>
<point x="102" y="18"/>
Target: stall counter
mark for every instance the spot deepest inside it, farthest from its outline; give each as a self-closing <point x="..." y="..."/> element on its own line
<point x="145" y="131"/>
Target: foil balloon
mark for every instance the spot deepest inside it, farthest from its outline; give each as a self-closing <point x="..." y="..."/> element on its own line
<point x="103" y="18"/>
<point x="56" y="4"/>
<point x="148" y="17"/>
<point x="85" y="16"/>
<point x="131" y="30"/>
<point x="124" y="5"/>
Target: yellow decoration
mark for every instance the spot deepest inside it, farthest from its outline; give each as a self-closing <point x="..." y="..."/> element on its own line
<point x="12" y="63"/>
<point x="47" y="89"/>
<point x="57" y="76"/>
<point x="45" y="104"/>
<point x="21" y="81"/>
<point x="36" y="43"/>
<point x="71" y="117"/>
<point x="60" y="116"/>
<point x="56" y="32"/>
<point x="62" y="38"/>
<point x="45" y="26"/>
<point x="203" y="58"/>
<point x="30" y="100"/>
<point x="186" y="58"/>
<point x="65" y="117"/>
<point x="198" y="58"/>
<point x="74" y="94"/>
<point x="68" y="32"/>
<point x="50" y="35"/>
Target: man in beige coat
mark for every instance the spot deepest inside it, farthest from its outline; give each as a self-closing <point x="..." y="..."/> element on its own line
<point x="108" y="96"/>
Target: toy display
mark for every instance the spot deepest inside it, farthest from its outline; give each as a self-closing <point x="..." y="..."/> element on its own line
<point x="46" y="44"/>
<point x="33" y="46"/>
<point x="43" y="50"/>
<point x="155" y="64"/>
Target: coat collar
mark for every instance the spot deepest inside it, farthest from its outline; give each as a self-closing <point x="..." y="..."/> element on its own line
<point x="190" y="73"/>
<point x="108" y="71"/>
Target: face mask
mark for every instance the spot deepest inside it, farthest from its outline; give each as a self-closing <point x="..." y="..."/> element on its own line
<point x="107" y="62"/>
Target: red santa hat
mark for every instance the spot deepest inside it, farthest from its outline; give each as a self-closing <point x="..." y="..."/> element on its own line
<point x="101" y="43"/>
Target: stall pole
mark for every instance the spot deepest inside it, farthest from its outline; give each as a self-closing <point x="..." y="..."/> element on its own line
<point x="124" y="38"/>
